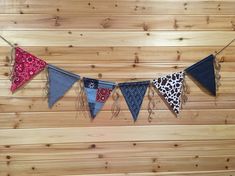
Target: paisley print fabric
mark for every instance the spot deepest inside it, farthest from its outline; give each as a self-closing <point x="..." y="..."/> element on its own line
<point x="25" y="68"/>
<point x="103" y="94"/>
<point x="170" y="87"/>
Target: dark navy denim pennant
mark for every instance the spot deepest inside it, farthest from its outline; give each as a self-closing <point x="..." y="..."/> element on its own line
<point x="60" y="81"/>
<point x="97" y="93"/>
<point x="204" y="73"/>
<point x="133" y="93"/>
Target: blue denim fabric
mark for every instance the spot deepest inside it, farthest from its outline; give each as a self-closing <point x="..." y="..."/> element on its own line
<point x="60" y="81"/>
<point x="203" y="72"/>
<point x="91" y="89"/>
<point x="133" y="93"/>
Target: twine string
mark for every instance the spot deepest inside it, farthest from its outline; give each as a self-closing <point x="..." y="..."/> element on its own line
<point x="81" y="99"/>
<point x="116" y="103"/>
<point x="12" y="58"/>
<point x="12" y="63"/>
<point x="221" y="50"/>
<point x="77" y="91"/>
<point x="9" y="43"/>
<point x="46" y="88"/>
<point x="217" y="65"/>
<point x="185" y="91"/>
<point x="152" y="102"/>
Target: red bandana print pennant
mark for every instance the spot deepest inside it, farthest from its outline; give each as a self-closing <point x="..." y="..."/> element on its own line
<point x="25" y="68"/>
<point x="103" y="94"/>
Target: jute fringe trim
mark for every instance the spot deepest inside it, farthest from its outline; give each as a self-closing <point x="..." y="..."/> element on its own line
<point x="152" y="102"/>
<point x="47" y="86"/>
<point x="185" y="91"/>
<point x="217" y="67"/>
<point x="116" y="108"/>
<point x="82" y="105"/>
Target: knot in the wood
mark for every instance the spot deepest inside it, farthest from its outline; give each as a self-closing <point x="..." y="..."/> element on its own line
<point x="106" y="23"/>
<point x="145" y="27"/>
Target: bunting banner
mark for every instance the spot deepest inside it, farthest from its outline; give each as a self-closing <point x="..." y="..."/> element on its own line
<point x="26" y="66"/>
<point x="97" y="93"/>
<point x="203" y="72"/>
<point x="133" y="93"/>
<point x="59" y="81"/>
<point x="170" y="87"/>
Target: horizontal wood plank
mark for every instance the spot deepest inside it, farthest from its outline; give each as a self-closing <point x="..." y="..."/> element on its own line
<point x="100" y="55"/>
<point x="69" y="104"/>
<point x="36" y="89"/>
<point x="116" y="22"/>
<point x="104" y="118"/>
<point x="202" y="173"/>
<point x="119" y="7"/>
<point x="156" y="157"/>
<point x="109" y="134"/>
<point x="104" y="166"/>
<point x="109" y="150"/>
<point x="85" y="38"/>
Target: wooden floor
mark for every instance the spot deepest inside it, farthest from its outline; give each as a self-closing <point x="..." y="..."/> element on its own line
<point x="117" y="40"/>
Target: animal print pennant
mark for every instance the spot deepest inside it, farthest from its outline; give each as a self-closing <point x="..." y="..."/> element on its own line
<point x="25" y="68"/>
<point x="170" y="87"/>
<point x="97" y="93"/>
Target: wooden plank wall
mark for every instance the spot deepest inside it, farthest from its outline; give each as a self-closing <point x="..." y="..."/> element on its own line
<point x="117" y="40"/>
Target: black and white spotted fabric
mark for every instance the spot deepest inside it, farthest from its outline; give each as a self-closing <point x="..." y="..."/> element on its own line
<point x="170" y="86"/>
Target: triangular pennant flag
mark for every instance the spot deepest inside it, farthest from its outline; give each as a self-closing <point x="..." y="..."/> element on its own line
<point x="203" y="72"/>
<point x="25" y="68"/>
<point x="170" y="87"/>
<point x="60" y="81"/>
<point x="133" y="93"/>
<point x="97" y="93"/>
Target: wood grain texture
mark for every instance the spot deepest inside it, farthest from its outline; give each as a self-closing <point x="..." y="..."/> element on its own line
<point x="117" y="22"/>
<point x="119" y="7"/>
<point x="109" y="134"/>
<point x="117" y="40"/>
<point x="85" y="38"/>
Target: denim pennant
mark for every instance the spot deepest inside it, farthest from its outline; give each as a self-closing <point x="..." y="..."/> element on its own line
<point x="60" y="81"/>
<point x="203" y="72"/>
<point x="97" y="93"/>
<point x="133" y="93"/>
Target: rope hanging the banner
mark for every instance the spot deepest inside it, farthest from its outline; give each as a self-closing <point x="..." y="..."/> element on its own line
<point x="9" y="43"/>
<point x="217" y="53"/>
<point x="12" y="55"/>
<point x="217" y="65"/>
